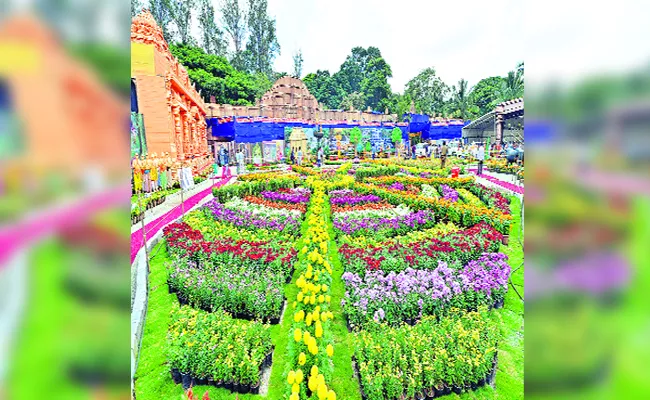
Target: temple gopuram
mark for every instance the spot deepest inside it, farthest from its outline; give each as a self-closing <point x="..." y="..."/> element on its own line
<point x="173" y="111"/>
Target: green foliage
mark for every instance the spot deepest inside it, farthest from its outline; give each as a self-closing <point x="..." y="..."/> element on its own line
<point x="181" y="14"/>
<point x="162" y="13"/>
<point x="211" y="36"/>
<point x="485" y="94"/>
<point x="396" y="135"/>
<point x="324" y="88"/>
<point x="352" y="101"/>
<point x="428" y="92"/>
<point x="355" y="135"/>
<point x="214" y="76"/>
<point x="461" y="105"/>
<point x="512" y="86"/>
<point x="262" y="46"/>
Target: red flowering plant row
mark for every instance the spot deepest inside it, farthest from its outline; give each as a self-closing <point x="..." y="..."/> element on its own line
<point x="183" y="241"/>
<point x="493" y="198"/>
<point x="244" y="278"/>
<point x="456" y="248"/>
<point x="275" y="204"/>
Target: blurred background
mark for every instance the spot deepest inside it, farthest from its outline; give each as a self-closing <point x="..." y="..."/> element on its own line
<point x="587" y="211"/>
<point x="64" y="199"/>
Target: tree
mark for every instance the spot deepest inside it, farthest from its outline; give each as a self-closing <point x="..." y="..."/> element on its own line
<point x="485" y="94"/>
<point x="215" y="76"/>
<point x="297" y="64"/>
<point x="211" y="36"/>
<point x="375" y="85"/>
<point x="353" y="101"/>
<point x="162" y="13"/>
<point x="355" y="67"/>
<point x="234" y="23"/>
<point x="324" y="88"/>
<point x="355" y="138"/>
<point x="428" y="92"/>
<point x="181" y="13"/>
<point x="396" y="137"/>
<point x="262" y="41"/>
<point x="513" y="85"/>
<point x="460" y="105"/>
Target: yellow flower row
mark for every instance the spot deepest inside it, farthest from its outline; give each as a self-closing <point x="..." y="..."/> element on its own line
<point x="311" y="305"/>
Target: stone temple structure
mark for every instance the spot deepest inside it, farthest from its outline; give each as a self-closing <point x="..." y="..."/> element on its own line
<point x="174" y="113"/>
<point x="289" y="98"/>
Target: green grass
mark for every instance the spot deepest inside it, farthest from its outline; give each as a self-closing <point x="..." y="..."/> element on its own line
<point x="153" y="380"/>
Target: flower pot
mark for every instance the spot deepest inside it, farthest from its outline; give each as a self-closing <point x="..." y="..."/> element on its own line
<point x="200" y="381"/>
<point x="481" y="382"/>
<point x="228" y="385"/>
<point x="498" y="303"/>
<point x="186" y="380"/>
<point x="446" y="390"/>
<point x="176" y="376"/>
<point x="236" y="387"/>
<point x="439" y="392"/>
<point x="244" y="388"/>
<point x="431" y="393"/>
<point x="255" y="389"/>
<point x="457" y="389"/>
<point x="420" y="396"/>
<point x="505" y="240"/>
<point x="210" y="381"/>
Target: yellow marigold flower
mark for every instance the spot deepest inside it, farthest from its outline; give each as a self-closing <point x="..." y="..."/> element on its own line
<point x="299" y="316"/>
<point x="324" y="287"/>
<point x="328" y="298"/>
<point x="312" y="383"/>
<point x="323" y="317"/>
<point x="322" y="392"/>
<point x="295" y="303"/>
<point x="297" y="334"/>
<point x="305" y="300"/>
<point x="312" y="299"/>
<point x="331" y="395"/>
<point x="294" y="396"/>
<point x="300" y="296"/>
<point x="304" y="249"/>
<point x="291" y="378"/>
<point x="308" y="274"/>
<point x="308" y="319"/>
<point x="319" y="331"/>
<point x="321" y="298"/>
<point x="314" y="370"/>
<point x="315" y="315"/>
<point x="313" y="349"/>
<point x="306" y="337"/>
<point x="302" y="358"/>
<point x="330" y="350"/>
<point x="299" y="376"/>
<point x="295" y="388"/>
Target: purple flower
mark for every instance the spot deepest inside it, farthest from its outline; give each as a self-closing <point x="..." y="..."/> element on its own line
<point x="449" y="193"/>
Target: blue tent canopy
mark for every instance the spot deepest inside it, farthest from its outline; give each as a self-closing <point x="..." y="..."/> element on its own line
<point x="260" y="131"/>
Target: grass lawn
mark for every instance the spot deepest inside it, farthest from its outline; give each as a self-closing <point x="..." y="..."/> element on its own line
<point x="153" y="380"/>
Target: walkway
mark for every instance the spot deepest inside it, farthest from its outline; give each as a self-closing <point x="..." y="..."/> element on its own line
<point x="157" y="224"/>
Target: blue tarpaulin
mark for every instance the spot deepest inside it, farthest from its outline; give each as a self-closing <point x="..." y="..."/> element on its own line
<point x="257" y="131"/>
<point x="437" y="132"/>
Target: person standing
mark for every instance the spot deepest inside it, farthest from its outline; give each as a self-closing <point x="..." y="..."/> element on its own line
<point x="321" y="155"/>
<point x="480" y="156"/>
<point x="293" y="156"/>
<point x="300" y="156"/>
<point x="240" y="162"/>
<point x="443" y="154"/>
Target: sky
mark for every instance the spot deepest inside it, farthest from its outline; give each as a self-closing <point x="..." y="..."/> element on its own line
<point x="559" y="40"/>
<point x="460" y="39"/>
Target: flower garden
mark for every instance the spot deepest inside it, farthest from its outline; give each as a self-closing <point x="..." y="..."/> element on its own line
<point x="371" y="281"/>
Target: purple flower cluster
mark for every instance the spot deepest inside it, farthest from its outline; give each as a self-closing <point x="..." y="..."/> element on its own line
<point x="341" y="192"/>
<point x="247" y="219"/>
<point x="420" y="219"/>
<point x="490" y="272"/>
<point x="356" y="199"/>
<point x="449" y="193"/>
<point x="397" y="186"/>
<point x="411" y="294"/>
<point x="295" y="197"/>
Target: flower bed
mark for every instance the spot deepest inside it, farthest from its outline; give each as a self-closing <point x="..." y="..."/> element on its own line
<point x="429" y="359"/>
<point x="448" y="193"/>
<point x="409" y="295"/>
<point x="243" y="278"/>
<point x="383" y="226"/>
<point x="214" y="348"/>
<point x="292" y="196"/>
<point x="458" y="247"/>
<point x="250" y="220"/>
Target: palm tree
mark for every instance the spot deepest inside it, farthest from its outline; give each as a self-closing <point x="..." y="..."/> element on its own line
<point x="513" y="86"/>
<point x="460" y="104"/>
